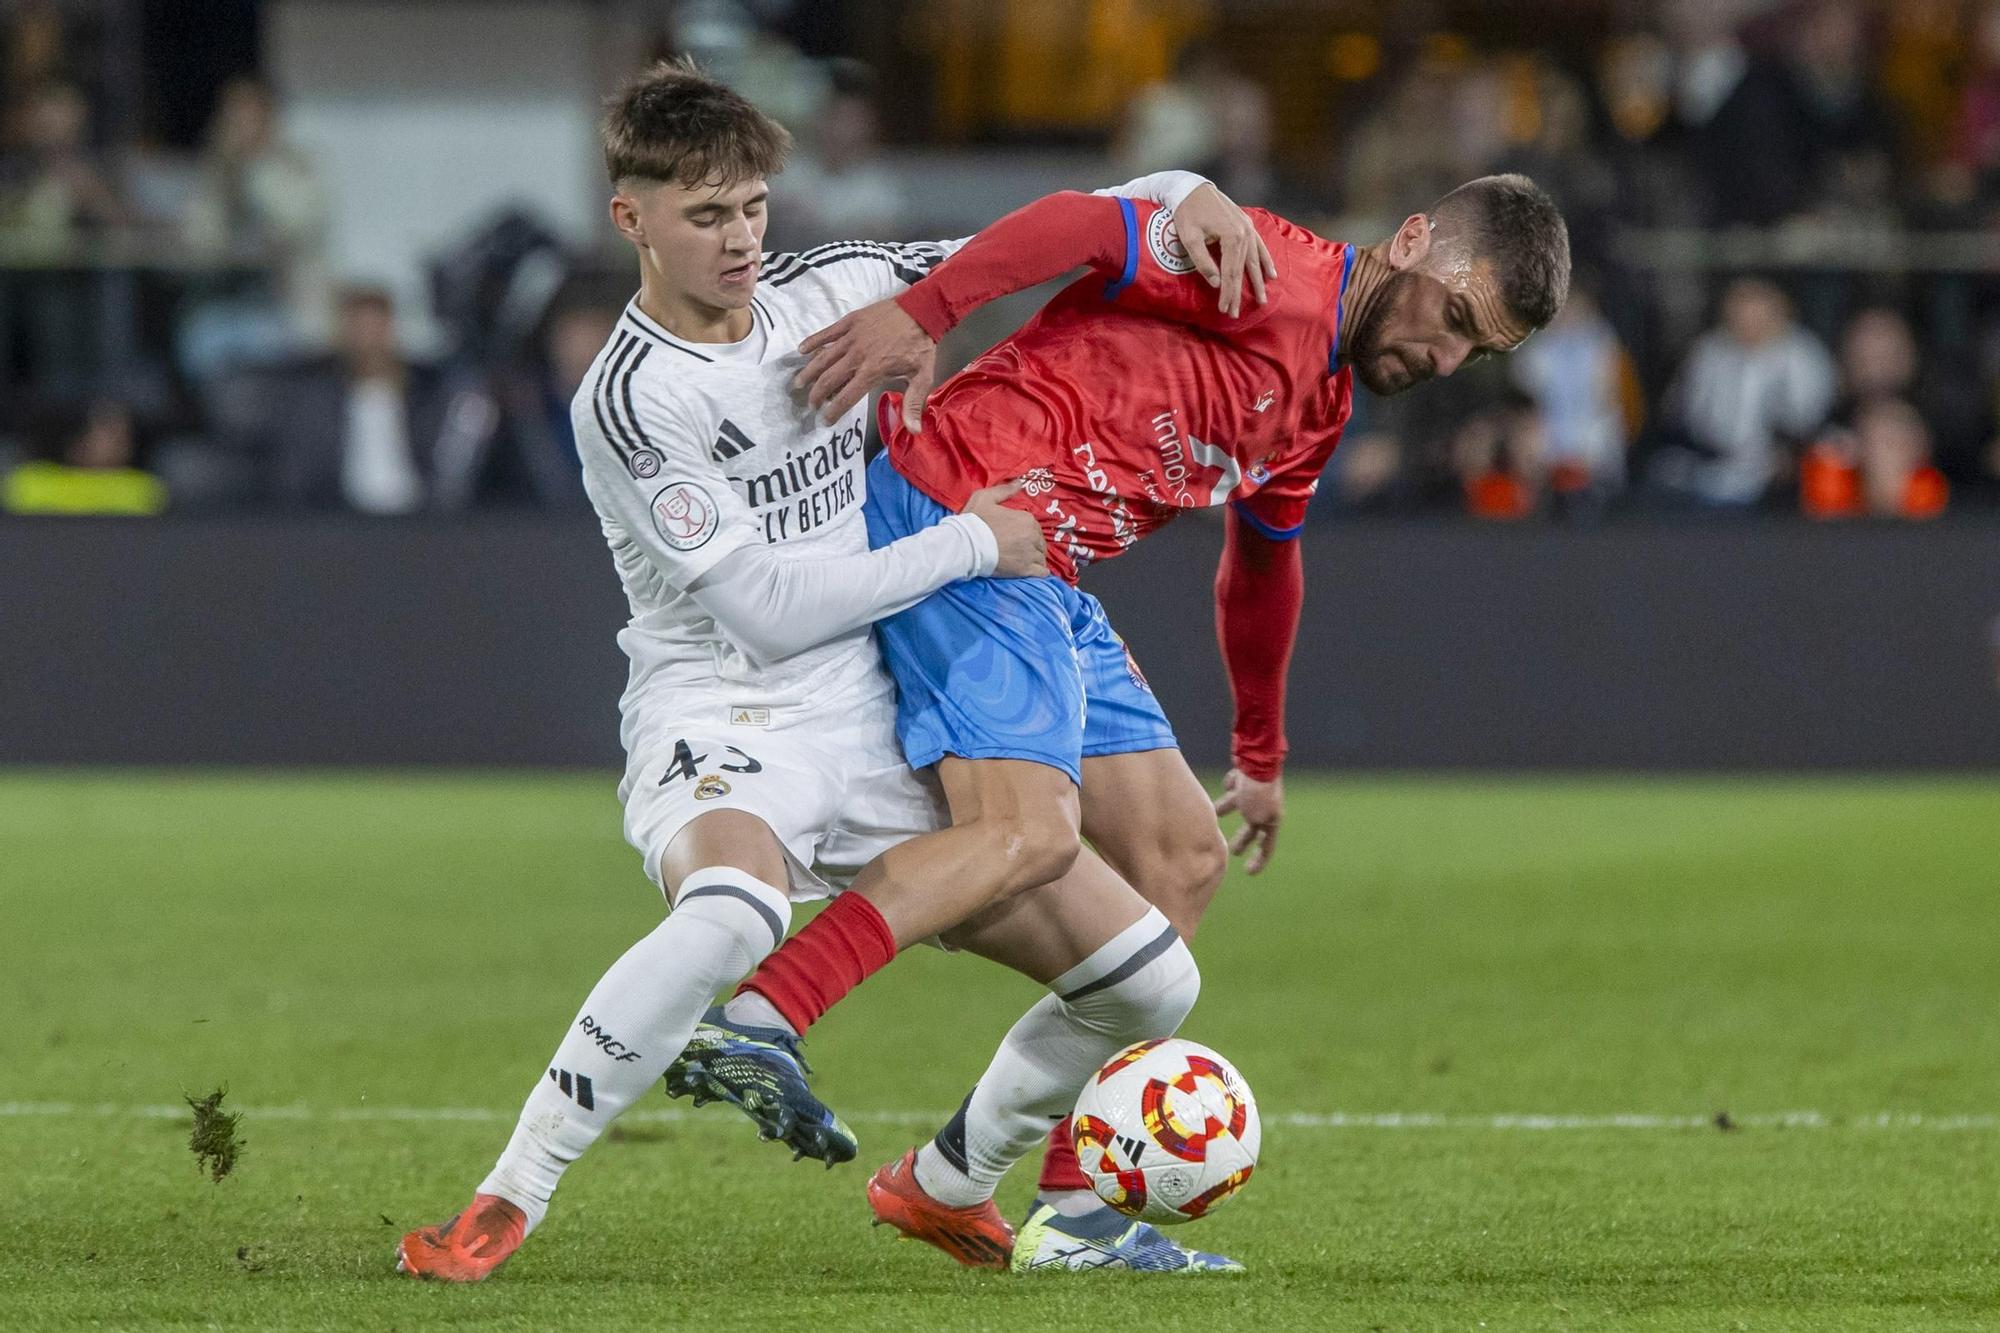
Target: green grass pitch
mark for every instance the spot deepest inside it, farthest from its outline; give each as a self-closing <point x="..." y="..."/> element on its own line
<point x="342" y="951"/>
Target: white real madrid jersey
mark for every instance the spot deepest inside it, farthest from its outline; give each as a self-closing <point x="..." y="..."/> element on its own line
<point x="693" y="450"/>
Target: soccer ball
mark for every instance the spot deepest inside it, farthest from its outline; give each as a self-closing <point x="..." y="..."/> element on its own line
<point x="1167" y="1131"/>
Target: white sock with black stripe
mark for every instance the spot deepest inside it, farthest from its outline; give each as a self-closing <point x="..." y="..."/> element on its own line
<point x="1139" y="985"/>
<point x="635" y="1022"/>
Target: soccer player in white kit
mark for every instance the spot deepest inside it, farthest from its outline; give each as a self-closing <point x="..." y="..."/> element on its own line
<point x="758" y="722"/>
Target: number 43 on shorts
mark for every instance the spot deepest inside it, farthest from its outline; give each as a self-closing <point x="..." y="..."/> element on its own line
<point x="687" y="764"/>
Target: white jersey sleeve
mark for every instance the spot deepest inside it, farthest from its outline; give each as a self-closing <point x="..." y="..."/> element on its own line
<point x="1165" y="188"/>
<point x="647" y="466"/>
<point x="773" y="605"/>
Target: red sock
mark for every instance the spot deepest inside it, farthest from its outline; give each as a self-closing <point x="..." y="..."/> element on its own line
<point x="837" y="951"/>
<point x="1060" y="1169"/>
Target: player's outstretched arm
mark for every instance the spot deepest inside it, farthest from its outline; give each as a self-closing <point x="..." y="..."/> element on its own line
<point x="1259" y="595"/>
<point x="895" y="341"/>
<point x="772" y="604"/>
<point x="899" y="264"/>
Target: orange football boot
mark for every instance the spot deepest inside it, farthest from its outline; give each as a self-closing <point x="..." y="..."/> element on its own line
<point x="469" y="1247"/>
<point x="976" y="1237"/>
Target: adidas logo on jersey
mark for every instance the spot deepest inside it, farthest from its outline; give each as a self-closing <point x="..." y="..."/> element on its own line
<point x="730" y="442"/>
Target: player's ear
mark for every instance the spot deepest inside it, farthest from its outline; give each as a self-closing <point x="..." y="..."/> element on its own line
<point x="1412" y="242"/>
<point x="625" y="217"/>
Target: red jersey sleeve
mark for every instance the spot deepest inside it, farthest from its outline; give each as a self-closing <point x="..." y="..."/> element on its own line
<point x="1131" y="242"/>
<point x="1277" y="509"/>
<point x="1259" y="594"/>
<point x="1032" y="244"/>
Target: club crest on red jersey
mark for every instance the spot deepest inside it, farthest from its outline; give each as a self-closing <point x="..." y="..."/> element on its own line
<point x="1165" y="243"/>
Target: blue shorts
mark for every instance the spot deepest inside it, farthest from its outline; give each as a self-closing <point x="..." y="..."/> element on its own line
<point x="1005" y="668"/>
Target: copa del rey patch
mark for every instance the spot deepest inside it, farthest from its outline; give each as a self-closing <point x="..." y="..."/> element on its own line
<point x="1165" y="243"/>
<point x="685" y="515"/>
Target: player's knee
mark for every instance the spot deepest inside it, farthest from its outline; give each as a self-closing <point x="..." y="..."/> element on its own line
<point x="723" y="839"/>
<point x="1180" y="988"/>
<point x="1204" y="860"/>
<point x="1182" y="875"/>
<point x="1151" y="1002"/>
<point x="1035" y="847"/>
<point x="756" y="914"/>
<point x="1149" y="993"/>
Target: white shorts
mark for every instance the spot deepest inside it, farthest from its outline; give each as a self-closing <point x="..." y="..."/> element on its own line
<point x="828" y="778"/>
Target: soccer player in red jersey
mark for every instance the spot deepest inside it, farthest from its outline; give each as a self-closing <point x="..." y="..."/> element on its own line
<point x="1129" y="398"/>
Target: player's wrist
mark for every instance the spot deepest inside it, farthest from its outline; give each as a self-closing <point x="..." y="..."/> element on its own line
<point x="1258" y="768"/>
<point x="928" y="304"/>
<point x="984" y="541"/>
<point x="1176" y="186"/>
<point x="1169" y="189"/>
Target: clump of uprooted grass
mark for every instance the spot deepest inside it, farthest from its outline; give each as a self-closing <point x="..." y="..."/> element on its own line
<point x="213" y="1140"/>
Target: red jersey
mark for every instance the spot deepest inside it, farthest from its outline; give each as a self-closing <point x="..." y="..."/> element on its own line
<point x="1125" y="401"/>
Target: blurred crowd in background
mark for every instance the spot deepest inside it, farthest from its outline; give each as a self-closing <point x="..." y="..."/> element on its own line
<point x="1786" y="299"/>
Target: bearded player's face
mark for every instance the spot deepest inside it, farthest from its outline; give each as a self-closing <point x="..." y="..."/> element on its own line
<point x="1425" y="326"/>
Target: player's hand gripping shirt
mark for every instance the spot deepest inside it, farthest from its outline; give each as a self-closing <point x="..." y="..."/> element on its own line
<point x="1130" y="397"/>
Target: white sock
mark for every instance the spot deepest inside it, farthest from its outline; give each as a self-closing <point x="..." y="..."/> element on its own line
<point x="1072" y="1203"/>
<point x="635" y="1022"/>
<point x="751" y="1009"/>
<point x="1140" y="985"/>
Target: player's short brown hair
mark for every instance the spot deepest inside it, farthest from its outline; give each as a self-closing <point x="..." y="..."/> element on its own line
<point x="1512" y="222"/>
<point x="675" y="123"/>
